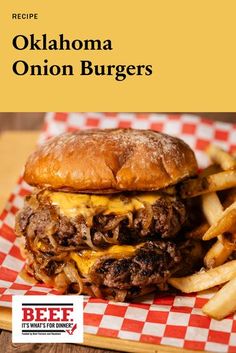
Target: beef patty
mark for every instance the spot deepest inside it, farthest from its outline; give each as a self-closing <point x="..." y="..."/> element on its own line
<point x="152" y="264"/>
<point x="39" y="218"/>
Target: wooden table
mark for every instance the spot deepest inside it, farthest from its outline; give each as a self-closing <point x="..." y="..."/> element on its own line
<point x="14" y="149"/>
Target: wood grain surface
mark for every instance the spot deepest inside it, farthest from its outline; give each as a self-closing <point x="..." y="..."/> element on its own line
<point x="21" y="121"/>
<point x="9" y="347"/>
<point x="14" y="148"/>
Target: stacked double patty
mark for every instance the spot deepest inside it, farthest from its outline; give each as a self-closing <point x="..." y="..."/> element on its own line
<point x="105" y="217"/>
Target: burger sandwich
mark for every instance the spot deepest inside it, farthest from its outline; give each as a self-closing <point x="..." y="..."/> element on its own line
<point x="105" y="217"/>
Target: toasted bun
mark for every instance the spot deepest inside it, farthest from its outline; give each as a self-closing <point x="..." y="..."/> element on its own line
<point x="111" y="160"/>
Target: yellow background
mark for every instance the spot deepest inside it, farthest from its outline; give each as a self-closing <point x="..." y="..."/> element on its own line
<point x="191" y="45"/>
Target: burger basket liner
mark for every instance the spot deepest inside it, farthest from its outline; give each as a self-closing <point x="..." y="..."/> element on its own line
<point x="169" y="320"/>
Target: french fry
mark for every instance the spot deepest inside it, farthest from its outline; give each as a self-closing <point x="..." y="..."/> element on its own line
<point x="212" y="207"/>
<point x="215" y="182"/>
<point x="222" y="225"/>
<point x="217" y="254"/>
<point x="198" y="232"/>
<point x="223" y="302"/>
<point x="205" y="279"/>
<point x="219" y="156"/>
<point x="226" y="223"/>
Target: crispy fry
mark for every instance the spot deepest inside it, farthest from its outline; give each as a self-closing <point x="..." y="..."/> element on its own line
<point x="212" y="207"/>
<point x="198" y="232"/>
<point x="222" y="225"/>
<point x="219" y="156"/>
<point x="205" y="279"/>
<point x="226" y="223"/>
<point x="217" y="255"/>
<point x="213" y="210"/>
<point x="215" y="182"/>
<point x="223" y="303"/>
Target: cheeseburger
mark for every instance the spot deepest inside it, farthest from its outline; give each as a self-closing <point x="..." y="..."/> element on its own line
<point x="105" y="218"/>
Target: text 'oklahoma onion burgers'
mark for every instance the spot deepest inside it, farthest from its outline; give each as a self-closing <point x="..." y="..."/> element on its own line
<point x="105" y="217"/>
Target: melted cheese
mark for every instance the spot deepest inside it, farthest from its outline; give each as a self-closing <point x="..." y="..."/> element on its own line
<point x="87" y="258"/>
<point x="149" y="197"/>
<point x="72" y="205"/>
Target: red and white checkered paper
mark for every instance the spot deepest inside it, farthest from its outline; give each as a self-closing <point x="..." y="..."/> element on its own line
<point x="170" y="320"/>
